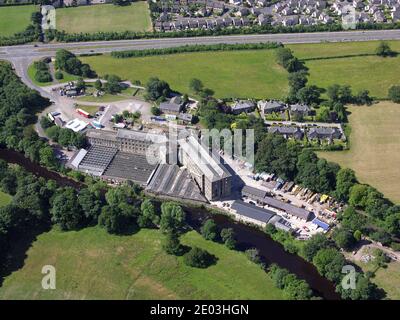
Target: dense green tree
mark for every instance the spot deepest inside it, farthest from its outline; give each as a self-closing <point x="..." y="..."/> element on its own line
<point x="172" y="217"/>
<point x="198" y="258"/>
<point x="358" y="195"/>
<point x="66" y="211"/>
<point x="323" y="114"/>
<point x="329" y="263"/>
<point x="314" y="244"/>
<point x="114" y="220"/>
<point x="365" y="290"/>
<point x="316" y="174"/>
<point x="352" y="220"/>
<point x="228" y="237"/>
<point x="276" y="155"/>
<point x="344" y="238"/>
<point x="384" y="50"/>
<point x="297" y="80"/>
<point x="148" y="216"/>
<point x="254" y="256"/>
<point x="91" y="203"/>
<point x="209" y="230"/>
<point x="297" y="289"/>
<point x="113" y="86"/>
<point x="309" y="94"/>
<point x="172" y="244"/>
<point x="345" y="180"/>
<point x="98" y="85"/>
<point x="392" y="224"/>
<point x="196" y="85"/>
<point x="157" y="88"/>
<point x="394" y="94"/>
<point x="381" y="236"/>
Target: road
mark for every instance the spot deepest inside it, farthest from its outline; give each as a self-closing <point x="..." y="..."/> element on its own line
<point x="25" y="51"/>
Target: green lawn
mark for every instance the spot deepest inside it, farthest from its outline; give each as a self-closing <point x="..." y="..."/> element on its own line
<point x="67" y="77"/>
<point x="124" y="95"/>
<point x="92" y="264"/>
<point x="373" y="73"/>
<point x="387" y="278"/>
<point x="251" y="73"/>
<point x="5" y="198"/>
<point x="15" y="19"/>
<point x="105" y="17"/>
<point x="374" y="147"/>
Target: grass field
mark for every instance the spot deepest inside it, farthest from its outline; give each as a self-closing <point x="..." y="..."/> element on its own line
<point x="374" y="147"/>
<point x="91" y="264"/>
<point x="15" y="19"/>
<point x="5" y="198"/>
<point x="386" y="278"/>
<point x="230" y="74"/>
<point x="373" y="73"/>
<point x="104" y="17"/>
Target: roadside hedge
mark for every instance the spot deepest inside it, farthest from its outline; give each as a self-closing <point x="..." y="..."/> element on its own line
<point x="195" y="48"/>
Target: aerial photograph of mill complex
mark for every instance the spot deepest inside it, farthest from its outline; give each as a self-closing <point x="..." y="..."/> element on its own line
<point x="200" y="150"/>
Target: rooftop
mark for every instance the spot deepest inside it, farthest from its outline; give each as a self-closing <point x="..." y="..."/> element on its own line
<point x="289" y="208"/>
<point x="208" y="163"/>
<point x="251" y="211"/>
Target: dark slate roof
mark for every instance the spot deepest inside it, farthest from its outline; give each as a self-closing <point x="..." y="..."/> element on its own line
<point x="300" y="108"/>
<point x="289" y="208"/>
<point x="324" y="132"/>
<point x="274" y="105"/>
<point x="252" y="211"/>
<point x="168" y="106"/>
<point x="284" y="129"/>
<point x="253" y="192"/>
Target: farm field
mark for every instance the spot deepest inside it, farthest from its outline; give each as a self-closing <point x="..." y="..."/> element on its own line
<point x="4" y="199"/>
<point x="15" y="19"/>
<point x="374" y="147"/>
<point x="105" y="17"/>
<point x="252" y="74"/>
<point x="92" y="264"/>
<point x="371" y="72"/>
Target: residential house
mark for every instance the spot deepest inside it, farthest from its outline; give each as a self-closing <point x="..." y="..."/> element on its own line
<point x="287" y="131"/>
<point x="267" y="107"/>
<point x="173" y="106"/>
<point x="300" y="109"/>
<point x="243" y="106"/>
<point x="324" y="133"/>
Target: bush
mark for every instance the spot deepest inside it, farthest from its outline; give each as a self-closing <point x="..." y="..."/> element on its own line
<point x="43" y="76"/>
<point x="172" y="244"/>
<point x="209" y="230"/>
<point x="254" y="256"/>
<point x="198" y="258"/>
<point x="59" y="75"/>
<point x="394" y="94"/>
<point x="395" y="246"/>
<point x="155" y="111"/>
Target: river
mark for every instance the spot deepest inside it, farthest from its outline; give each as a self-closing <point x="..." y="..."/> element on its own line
<point x="247" y="237"/>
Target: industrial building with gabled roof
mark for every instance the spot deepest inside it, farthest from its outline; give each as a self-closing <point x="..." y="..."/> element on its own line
<point x="206" y="168"/>
<point x="250" y="213"/>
